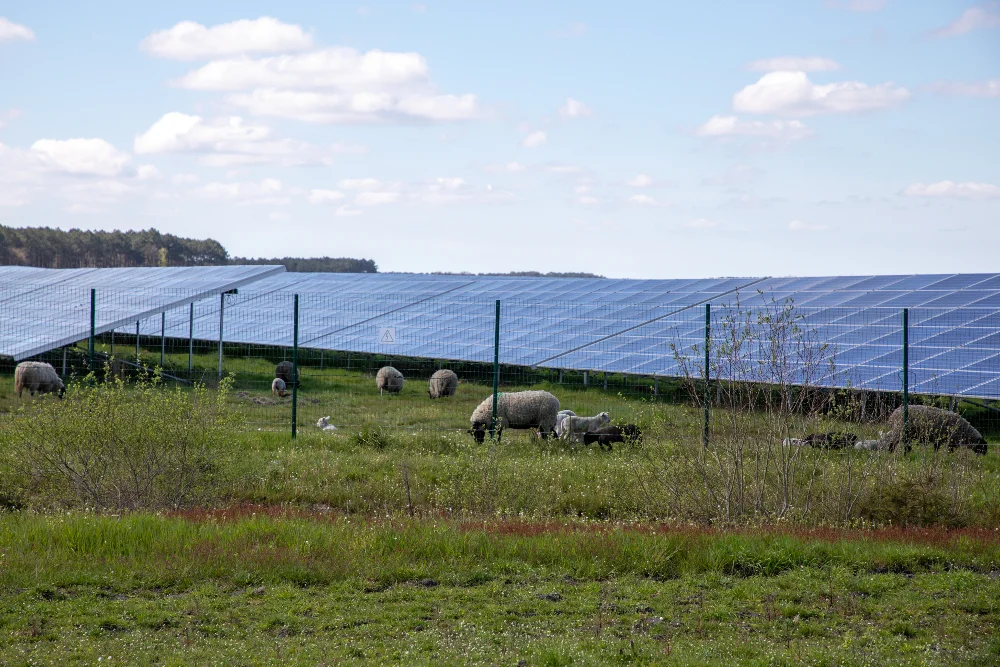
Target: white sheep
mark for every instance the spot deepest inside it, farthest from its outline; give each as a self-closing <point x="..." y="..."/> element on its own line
<point x="573" y="428"/>
<point x="389" y="379"/>
<point x="324" y="424"/>
<point x="443" y="383"/>
<point x="519" y="409"/>
<point x="37" y="376"/>
<point x="560" y="416"/>
<point x="278" y="387"/>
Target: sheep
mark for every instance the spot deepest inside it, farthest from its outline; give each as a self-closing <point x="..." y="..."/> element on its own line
<point x="823" y="440"/>
<point x="933" y="426"/>
<point x="560" y="416"/>
<point x="606" y="435"/>
<point x="283" y="372"/>
<point x="325" y="425"/>
<point x="574" y="427"/>
<point x="278" y="387"/>
<point x="37" y="376"/>
<point x="520" y="410"/>
<point x="869" y="445"/>
<point x="443" y="383"/>
<point x="389" y="379"/>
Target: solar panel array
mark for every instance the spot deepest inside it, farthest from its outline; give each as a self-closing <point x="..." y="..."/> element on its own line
<point x="643" y="327"/>
<point x="43" y="309"/>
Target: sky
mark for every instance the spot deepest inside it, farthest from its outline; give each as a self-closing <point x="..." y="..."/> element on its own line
<point x="641" y="139"/>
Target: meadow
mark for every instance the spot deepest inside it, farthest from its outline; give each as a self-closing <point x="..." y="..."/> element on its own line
<point x="396" y="538"/>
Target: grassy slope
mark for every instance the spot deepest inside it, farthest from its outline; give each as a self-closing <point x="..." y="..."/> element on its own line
<point x="255" y="590"/>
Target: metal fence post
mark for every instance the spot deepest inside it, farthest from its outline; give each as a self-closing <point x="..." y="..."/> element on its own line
<point x="191" y="338"/>
<point x="137" y="358"/>
<point x="93" y="326"/>
<point x="708" y="375"/>
<point x="906" y="376"/>
<point x="222" y="311"/>
<point x="496" y="368"/>
<point x="295" y="366"/>
<point x="163" y="337"/>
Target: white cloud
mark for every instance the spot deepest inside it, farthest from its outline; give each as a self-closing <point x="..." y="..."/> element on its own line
<point x="224" y="142"/>
<point x="317" y="196"/>
<point x="268" y="191"/>
<point x="701" y="223"/>
<point x="345" y="211"/>
<point x="793" y="94"/>
<point x="645" y="200"/>
<point x="147" y="172"/>
<point x="534" y="139"/>
<point x="799" y="226"/>
<point x="640" y="181"/>
<point x="727" y="126"/>
<point x="574" y="109"/>
<point x="89" y="157"/>
<point x="983" y="16"/>
<point x="376" y="198"/>
<point x="564" y="169"/>
<point x="192" y="41"/>
<point x="362" y="107"/>
<point x="989" y="88"/>
<point x="955" y="190"/>
<point x="793" y="64"/>
<point x="348" y="149"/>
<point x="588" y="200"/>
<point x="514" y="167"/>
<point x="367" y="184"/>
<point x="11" y="31"/>
<point x="419" y="8"/>
<point x="857" y="5"/>
<point x="184" y="179"/>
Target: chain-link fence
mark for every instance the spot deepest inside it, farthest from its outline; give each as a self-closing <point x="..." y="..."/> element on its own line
<point x="880" y="358"/>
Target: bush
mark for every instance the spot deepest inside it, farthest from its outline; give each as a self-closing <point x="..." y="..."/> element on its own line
<point x="113" y="445"/>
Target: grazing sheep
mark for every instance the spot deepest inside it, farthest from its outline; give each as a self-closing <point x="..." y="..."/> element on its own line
<point x="389" y="379"/>
<point x="324" y="424"/>
<point x="443" y="383"/>
<point x="519" y="409"/>
<point x="278" y="387"/>
<point x="574" y="427"/>
<point x="37" y="376"/>
<point x="283" y="372"/>
<point x="606" y="435"/>
<point x="933" y="426"/>
<point x="823" y="440"/>
<point x="869" y="445"/>
<point x="560" y="416"/>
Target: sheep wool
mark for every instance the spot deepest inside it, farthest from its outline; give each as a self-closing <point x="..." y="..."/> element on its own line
<point x="278" y="387"/>
<point x="389" y="379"/>
<point x="560" y="416"/>
<point x="928" y="425"/>
<point x="519" y="410"/>
<point x="574" y="427"/>
<point x="443" y="383"/>
<point x="37" y="376"/>
<point x="283" y="372"/>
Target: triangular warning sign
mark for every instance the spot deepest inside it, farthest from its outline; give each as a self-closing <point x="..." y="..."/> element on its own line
<point x="387" y="337"/>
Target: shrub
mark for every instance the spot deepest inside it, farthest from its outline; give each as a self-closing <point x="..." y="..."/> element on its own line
<point x="118" y="445"/>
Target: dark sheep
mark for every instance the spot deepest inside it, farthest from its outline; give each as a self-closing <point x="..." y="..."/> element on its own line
<point x="606" y="435"/>
<point x="933" y="426"/>
<point x="283" y="372"/>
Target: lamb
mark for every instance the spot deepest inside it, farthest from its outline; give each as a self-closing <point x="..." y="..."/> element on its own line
<point x="520" y="410"/>
<point x="933" y="426"/>
<point x="37" y="376"/>
<point x="389" y="379"/>
<point x="560" y="416"/>
<point x="278" y="387"/>
<point x="574" y="427"/>
<point x="324" y="424"/>
<point x="606" y="435"/>
<point x="443" y="383"/>
<point x="283" y="372"/>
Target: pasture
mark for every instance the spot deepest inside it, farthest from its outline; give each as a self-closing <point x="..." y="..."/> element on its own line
<point x="396" y="538"/>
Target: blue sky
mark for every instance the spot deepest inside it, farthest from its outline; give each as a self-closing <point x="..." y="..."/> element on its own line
<point x="638" y="139"/>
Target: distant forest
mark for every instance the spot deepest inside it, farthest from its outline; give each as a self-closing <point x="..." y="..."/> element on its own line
<point x="57" y="249"/>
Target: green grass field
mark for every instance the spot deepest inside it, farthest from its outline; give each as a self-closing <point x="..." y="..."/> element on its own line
<point x="398" y="539"/>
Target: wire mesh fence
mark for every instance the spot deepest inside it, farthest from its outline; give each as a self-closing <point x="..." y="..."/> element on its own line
<point x="881" y="357"/>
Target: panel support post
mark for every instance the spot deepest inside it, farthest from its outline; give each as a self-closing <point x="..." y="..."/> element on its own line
<point x="906" y="376"/>
<point x="222" y="316"/>
<point x="93" y="326"/>
<point x="586" y="379"/>
<point x="137" y="343"/>
<point x="496" y="368"/>
<point x="708" y="375"/>
<point x="295" y="365"/>
<point x="65" y="348"/>
<point x="191" y="337"/>
<point x="163" y="337"/>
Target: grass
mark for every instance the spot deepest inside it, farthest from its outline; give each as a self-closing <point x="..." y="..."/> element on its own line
<point x="288" y="587"/>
